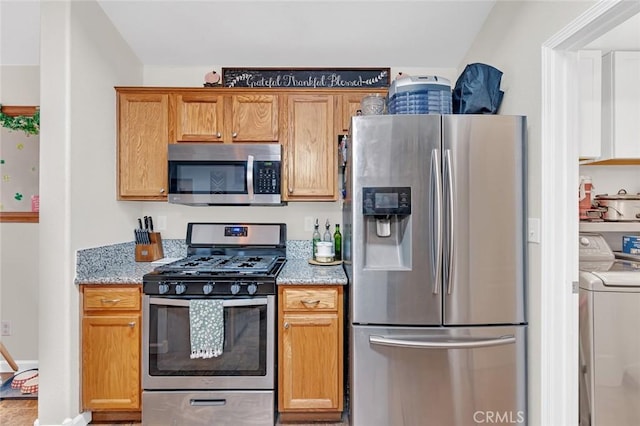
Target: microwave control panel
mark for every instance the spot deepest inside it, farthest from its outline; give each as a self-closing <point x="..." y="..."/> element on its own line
<point x="266" y="177"/>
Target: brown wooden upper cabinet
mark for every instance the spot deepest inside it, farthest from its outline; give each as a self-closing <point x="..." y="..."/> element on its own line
<point x="226" y="118"/>
<point x="310" y="148"/>
<point x="348" y="107"/>
<point x="143" y="131"/>
<point x="306" y="122"/>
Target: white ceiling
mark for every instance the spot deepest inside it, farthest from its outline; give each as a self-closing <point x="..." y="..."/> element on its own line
<point x="303" y="33"/>
<point x="351" y="33"/>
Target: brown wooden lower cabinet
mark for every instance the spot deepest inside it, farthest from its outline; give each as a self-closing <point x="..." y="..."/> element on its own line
<point x="111" y="336"/>
<point x="310" y="353"/>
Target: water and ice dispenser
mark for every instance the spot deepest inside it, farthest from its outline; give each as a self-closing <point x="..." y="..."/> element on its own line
<point x="387" y="227"/>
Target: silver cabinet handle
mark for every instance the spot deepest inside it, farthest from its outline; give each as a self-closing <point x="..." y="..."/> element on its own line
<point x="234" y="134"/>
<point x="218" y="135"/>
<point x="162" y="190"/>
<point x="132" y="324"/>
<point x="286" y="325"/>
<point x="112" y="301"/>
<point x="443" y="343"/>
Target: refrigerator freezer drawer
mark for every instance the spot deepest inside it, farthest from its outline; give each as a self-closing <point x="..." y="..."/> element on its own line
<point x="438" y="376"/>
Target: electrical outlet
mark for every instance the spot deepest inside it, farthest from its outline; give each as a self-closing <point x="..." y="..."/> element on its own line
<point x="308" y="223"/>
<point x="6" y="328"/>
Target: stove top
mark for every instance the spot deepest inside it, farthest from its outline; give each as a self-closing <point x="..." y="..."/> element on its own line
<point x="223" y="260"/>
<point x="220" y="264"/>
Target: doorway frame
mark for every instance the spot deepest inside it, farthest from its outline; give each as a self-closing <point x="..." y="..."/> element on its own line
<point x="559" y="211"/>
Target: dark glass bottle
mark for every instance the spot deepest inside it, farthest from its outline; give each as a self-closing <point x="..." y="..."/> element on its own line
<point x="337" y="243"/>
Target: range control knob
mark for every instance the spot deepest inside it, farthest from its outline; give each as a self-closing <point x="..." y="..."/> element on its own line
<point x="181" y="288"/>
<point x="235" y="288"/>
<point x="584" y="241"/>
<point x="163" y="288"/>
<point x="252" y="288"/>
<point x="207" y="288"/>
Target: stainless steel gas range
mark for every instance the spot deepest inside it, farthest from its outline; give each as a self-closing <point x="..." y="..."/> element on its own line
<point x="230" y="265"/>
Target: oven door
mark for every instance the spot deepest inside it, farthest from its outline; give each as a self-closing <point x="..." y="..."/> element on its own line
<point x="247" y="361"/>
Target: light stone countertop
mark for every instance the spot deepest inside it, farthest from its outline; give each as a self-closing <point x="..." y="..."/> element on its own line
<point x="300" y="272"/>
<point x="115" y="264"/>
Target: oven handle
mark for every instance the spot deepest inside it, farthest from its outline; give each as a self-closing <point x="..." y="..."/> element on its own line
<point x="258" y="301"/>
<point x="207" y="402"/>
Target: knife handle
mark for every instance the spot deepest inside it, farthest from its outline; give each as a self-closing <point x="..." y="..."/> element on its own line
<point x="150" y="224"/>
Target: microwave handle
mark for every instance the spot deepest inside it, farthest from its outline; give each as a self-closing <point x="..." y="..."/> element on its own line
<point x="165" y="301"/>
<point x="250" y="191"/>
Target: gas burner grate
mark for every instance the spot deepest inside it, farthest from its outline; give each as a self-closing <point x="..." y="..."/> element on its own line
<point x="221" y="264"/>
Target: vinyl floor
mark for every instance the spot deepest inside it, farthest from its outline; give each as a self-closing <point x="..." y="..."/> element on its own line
<point x="18" y="412"/>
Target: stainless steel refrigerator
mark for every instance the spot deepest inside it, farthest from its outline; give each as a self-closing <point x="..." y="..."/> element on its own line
<point x="434" y="248"/>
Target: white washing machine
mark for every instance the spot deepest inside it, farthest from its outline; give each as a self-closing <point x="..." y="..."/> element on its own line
<point x="609" y="335"/>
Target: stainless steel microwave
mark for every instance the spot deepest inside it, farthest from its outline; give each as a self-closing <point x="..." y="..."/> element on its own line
<point x="225" y="174"/>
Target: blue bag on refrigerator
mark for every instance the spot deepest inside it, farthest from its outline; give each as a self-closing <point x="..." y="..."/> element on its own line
<point x="477" y="90"/>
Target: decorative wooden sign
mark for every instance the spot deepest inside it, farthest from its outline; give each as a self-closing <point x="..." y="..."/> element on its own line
<point x="306" y="78"/>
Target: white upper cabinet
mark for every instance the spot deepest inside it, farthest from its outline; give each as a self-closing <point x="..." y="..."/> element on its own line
<point x="590" y="103"/>
<point x="621" y="105"/>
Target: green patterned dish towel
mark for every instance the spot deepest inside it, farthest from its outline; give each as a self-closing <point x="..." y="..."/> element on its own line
<point x="206" y="318"/>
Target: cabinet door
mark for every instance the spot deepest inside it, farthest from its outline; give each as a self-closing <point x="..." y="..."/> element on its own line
<point x="621" y="105"/>
<point x="111" y="362"/>
<point x="311" y="148"/>
<point x="254" y="118"/>
<point x="348" y="107"/>
<point x="310" y="376"/>
<point x="350" y="104"/>
<point x="626" y="104"/>
<point x="199" y="117"/>
<point x="143" y="133"/>
<point x="590" y="103"/>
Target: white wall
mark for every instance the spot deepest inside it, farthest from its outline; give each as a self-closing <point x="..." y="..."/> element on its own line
<point x="610" y="179"/>
<point x="82" y="59"/>
<point x="511" y="41"/>
<point x="19" y="85"/>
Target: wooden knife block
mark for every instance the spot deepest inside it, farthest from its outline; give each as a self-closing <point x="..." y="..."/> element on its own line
<point x="150" y="252"/>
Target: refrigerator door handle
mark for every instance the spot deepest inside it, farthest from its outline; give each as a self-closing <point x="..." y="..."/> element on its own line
<point x="436" y="223"/>
<point x="450" y="215"/>
<point x="443" y="343"/>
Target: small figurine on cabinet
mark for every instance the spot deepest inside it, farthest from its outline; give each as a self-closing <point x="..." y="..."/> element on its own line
<point x="212" y="79"/>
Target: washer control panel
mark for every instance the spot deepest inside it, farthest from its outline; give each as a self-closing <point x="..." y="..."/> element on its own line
<point x="594" y="248"/>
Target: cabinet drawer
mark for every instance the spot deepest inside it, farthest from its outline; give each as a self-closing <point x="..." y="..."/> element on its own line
<point x="111" y="299"/>
<point x="304" y="299"/>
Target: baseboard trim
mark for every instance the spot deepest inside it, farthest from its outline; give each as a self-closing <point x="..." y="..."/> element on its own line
<point x="23" y="365"/>
<point x="82" y="419"/>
